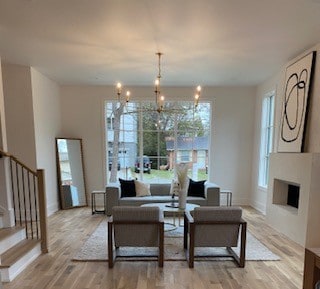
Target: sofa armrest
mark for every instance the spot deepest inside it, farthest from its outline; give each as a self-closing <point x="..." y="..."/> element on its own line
<point x="113" y="194"/>
<point x="212" y="193"/>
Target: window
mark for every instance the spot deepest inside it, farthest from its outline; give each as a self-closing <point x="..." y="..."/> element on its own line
<point x="146" y="145"/>
<point x="266" y="138"/>
<point x="110" y="123"/>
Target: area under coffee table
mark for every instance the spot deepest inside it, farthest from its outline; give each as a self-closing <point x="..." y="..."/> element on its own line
<point x="176" y="211"/>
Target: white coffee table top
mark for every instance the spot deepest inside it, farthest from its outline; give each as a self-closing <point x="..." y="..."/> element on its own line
<point x="166" y="207"/>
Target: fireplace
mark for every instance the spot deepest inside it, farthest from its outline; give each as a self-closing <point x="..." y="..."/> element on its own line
<point x="293" y="196"/>
<point x="286" y="193"/>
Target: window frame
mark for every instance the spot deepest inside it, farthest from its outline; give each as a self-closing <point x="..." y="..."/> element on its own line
<point x="266" y="138"/>
<point x="140" y="130"/>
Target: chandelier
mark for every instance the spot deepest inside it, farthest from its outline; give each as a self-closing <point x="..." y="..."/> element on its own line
<point x="159" y="98"/>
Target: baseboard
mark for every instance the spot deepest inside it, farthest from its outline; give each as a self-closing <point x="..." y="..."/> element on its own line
<point x="52" y="209"/>
<point x="262" y="208"/>
<point x="240" y="201"/>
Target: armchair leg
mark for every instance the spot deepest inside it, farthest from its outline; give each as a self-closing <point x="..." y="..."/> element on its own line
<point x="191" y="246"/>
<point x="243" y="245"/>
<point x="161" y="245"/>
<point x="242" y="258"/>
<point x="110" y="245"/>
<point x="185" y="232"/>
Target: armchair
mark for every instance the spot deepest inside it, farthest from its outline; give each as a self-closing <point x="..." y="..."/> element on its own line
<point x="135" y="227"/>
<point x="215" y="227"/>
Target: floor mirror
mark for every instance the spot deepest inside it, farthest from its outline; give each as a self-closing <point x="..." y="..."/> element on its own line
<point x="70" y="171"/>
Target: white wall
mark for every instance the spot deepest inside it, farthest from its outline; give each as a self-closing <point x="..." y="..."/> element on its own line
<point x="312" y="139"/>
<point x="19" y="113"/>
<point x="3" y="132"/>
<point x="32" y="106"/>
<point x="6" y="207"/>
<point x="46" y="108"/>
<point x="232" y="127"/>
<point x="232" y="141"/>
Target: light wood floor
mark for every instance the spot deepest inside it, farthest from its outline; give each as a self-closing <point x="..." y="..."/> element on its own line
<point x="69" y="229"/>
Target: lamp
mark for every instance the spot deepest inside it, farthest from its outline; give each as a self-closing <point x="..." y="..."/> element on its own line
<point x="159" y="99"/>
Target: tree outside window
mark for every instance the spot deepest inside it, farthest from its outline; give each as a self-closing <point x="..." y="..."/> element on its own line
<point x="141" y="138"/>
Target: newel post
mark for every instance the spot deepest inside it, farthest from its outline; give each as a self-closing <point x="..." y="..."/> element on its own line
<point x="42" y="211"/>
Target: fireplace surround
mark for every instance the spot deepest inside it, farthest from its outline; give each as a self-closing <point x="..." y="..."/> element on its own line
<point x="300" y="223"/>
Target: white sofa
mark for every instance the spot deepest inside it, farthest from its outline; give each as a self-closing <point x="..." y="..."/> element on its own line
<point x="160" y="193"/>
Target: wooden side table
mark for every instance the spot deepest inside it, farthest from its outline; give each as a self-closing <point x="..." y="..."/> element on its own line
<point x="94" y="205"/>
<point x="229" y="196"/>
<point x="311" y="268"/>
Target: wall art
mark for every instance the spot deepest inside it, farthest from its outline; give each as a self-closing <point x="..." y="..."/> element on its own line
<point x="295" y="104"/>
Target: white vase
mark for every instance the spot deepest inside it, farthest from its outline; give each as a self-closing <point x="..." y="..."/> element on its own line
<point x="182" y="198"/>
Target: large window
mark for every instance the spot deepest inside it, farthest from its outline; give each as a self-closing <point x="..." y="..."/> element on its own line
<point x="145" y="144"/>
<point x="266" y="138"/>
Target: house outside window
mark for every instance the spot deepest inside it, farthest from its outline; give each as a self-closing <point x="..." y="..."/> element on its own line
<point x="110" y="123"/>
<point x="150" y="144"/>
<point x="266" y="138"/>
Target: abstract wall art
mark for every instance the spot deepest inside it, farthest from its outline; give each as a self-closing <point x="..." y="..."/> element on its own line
<point x="295" y="104"/>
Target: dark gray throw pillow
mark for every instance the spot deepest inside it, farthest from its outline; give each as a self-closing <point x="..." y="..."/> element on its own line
<point x="196" y="189"/>
<point x="128" y="188"/>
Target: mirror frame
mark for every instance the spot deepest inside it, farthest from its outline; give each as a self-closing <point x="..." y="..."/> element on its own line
<point x="61" y="197"/>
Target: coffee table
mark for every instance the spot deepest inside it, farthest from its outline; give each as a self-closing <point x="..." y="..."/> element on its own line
<point x="169" y="208"/>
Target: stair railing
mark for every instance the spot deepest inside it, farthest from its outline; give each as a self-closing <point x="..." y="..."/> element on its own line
<point x="29" y="201"/>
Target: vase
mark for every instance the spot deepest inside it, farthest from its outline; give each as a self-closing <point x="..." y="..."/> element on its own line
<point x="182" y="199"/>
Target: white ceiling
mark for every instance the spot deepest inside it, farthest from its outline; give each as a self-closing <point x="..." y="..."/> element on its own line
<point x="210" y="42"/>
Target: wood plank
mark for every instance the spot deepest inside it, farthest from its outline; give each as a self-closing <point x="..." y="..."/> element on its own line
<point x="9" y="257"/>
<point x="69" y="229"/>
<point x="6" y="232"/>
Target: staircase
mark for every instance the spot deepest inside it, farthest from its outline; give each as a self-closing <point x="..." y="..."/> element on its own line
<point x="16" y="252"/>
<point x="21" y="244"/>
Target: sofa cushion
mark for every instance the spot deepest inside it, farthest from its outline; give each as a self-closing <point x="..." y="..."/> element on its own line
<point x="128" y="188"/>
<point x="196" y="189"/>
<point x="142" y="189"/>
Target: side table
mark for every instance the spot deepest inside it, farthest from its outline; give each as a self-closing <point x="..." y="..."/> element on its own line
<point x="311" y="268"/>
<point x="229" y="196"/>
<point x="94" y="205"/>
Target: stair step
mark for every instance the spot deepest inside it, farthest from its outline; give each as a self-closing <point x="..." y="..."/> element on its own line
<point x="10" y="237"/>
<point x="18" y="257"/>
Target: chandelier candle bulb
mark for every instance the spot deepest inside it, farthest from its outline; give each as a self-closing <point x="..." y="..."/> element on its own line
<point x="197" y="96"/>
<point x="128" y="96"/>
<point x="118" y="88"/>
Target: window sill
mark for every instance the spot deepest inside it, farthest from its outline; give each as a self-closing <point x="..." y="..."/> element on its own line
<point x="261" y="188"/>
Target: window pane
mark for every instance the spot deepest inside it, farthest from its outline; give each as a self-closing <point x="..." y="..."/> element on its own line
<point x="145" y="144"/>
<point x="266" y="139"/>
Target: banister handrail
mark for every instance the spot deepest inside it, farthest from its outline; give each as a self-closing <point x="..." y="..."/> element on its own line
<point x="6" y="154"/>
<point x="29" y="196"/>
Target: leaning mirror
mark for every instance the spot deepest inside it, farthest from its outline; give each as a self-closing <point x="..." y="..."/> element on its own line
<point x="70" y="170"/>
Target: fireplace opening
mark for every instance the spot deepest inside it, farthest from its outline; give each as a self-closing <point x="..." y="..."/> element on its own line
<point x="293" y="196"/>
<point x="286" y="193"/>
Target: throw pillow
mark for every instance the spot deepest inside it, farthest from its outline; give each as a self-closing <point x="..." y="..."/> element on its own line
<point x="128" y="188"/>
<point x="196" y="189"/>
<point x="142" y="189"/>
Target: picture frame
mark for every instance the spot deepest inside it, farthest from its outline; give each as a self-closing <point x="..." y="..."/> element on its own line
<point x="297" y="87"/>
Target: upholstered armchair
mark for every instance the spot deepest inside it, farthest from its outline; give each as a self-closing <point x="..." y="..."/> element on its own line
<point x="135" y="227"/>
<point x="215" y="227"/>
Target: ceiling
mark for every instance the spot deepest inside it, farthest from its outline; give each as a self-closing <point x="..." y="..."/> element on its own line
<point x="207" y="42"/>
